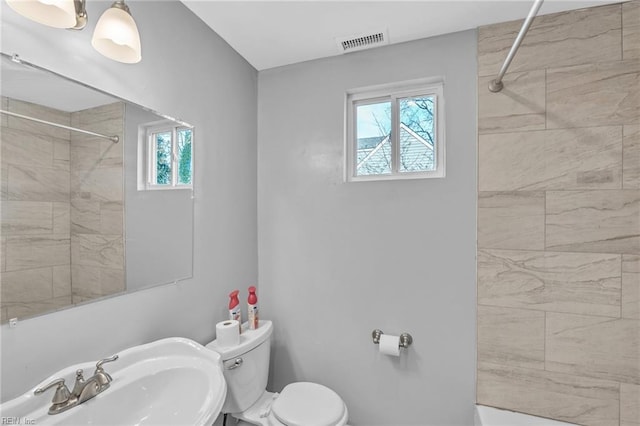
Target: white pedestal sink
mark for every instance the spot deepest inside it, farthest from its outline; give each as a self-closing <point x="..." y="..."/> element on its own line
<point x="173" y="381"/>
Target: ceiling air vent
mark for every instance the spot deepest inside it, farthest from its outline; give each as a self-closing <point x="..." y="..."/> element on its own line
<point x="362" y="41"/>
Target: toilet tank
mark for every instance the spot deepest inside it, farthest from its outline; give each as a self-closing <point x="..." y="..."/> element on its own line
<point x="246" y="367"/>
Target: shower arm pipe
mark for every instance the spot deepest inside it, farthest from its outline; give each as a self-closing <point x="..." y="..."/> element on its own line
<point x="496" y="85"/>
<point x="114" y="139"/>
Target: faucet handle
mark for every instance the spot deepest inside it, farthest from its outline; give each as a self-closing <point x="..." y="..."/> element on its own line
<point x="102" y="377"/>
<point x="104" y="361"/>
<point x="61" y="395"/>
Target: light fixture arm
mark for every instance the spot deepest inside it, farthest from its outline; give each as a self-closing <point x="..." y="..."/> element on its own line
<point x="120" y="5"/>
<point x="81" y="14"/>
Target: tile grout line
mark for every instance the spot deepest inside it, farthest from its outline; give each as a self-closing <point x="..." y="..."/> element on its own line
<point x="621" y="32"/>
<point x="621" y="283"/>
<point x="622" y="157"/>
<point x="520" y="250"/>
<point x="544" y="343"/>
<point x="551" y="129"/>
<point x="544" y="228"/>
<point x="546" y="87"/>
<point x="609" y="317"/>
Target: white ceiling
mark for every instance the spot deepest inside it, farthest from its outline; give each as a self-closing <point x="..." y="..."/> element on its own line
<point x="274" y="33"/>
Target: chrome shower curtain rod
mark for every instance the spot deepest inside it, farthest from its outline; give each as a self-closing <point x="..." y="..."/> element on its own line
<point x="114" y="139"/>
<point x="496" y="85"/>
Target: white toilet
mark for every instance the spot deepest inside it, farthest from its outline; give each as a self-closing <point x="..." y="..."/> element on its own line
<point x="246" y="368"/>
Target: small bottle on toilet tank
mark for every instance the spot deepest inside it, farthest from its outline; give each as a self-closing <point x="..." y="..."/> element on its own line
<point x="252" y="308"/>
<point x="235" y="313"/>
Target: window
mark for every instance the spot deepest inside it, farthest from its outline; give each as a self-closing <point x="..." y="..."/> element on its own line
<point x="169" y="161"/>
<point x="395" y="132"/>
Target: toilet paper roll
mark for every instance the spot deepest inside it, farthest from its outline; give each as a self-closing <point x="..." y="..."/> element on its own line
<point x="228" y="333"/>
<point x="390" y="345"/>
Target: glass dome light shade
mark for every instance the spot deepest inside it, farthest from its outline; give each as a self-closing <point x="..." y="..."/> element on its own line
<point x="116" y="36"/>
<point x="53" y="13"/>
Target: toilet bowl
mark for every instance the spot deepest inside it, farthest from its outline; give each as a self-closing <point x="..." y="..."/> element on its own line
<point x="246" y="368"/>
<point x="308" y="404"/>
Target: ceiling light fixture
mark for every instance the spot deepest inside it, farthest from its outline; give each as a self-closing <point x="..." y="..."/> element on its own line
<point x="116" y="34"/>
<point x="53" y="13"/>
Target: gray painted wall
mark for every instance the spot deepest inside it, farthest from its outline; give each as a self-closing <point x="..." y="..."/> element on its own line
<point x="338" y="260"/>
<point x="159" y="224"/>
<point x="192" y="74"/>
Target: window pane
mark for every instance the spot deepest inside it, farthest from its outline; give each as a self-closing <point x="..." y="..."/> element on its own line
<point x="163" y="158"/>
<point x="417" y="136"/>
<point x="373" y="135"/>
<point x="184" y="156"/>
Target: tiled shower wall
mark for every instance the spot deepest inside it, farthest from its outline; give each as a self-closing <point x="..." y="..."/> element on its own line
<point x="62" y="209"/>
<point x="35" y="235"/>
<point x="559" y="218"/>
<point x="97" y="204"/>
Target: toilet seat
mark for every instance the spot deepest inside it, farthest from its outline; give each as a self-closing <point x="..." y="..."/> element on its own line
<point x="308" y="404"/>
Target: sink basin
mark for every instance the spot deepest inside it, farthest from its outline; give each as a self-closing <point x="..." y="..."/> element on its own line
<point x="173" y="381"/>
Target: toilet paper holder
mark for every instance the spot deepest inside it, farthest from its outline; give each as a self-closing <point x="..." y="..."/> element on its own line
<point x="405" y="338"/>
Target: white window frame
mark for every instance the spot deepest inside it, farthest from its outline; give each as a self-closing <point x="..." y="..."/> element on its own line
<point x="391" y="93"/>
<point x="147" y="156"/>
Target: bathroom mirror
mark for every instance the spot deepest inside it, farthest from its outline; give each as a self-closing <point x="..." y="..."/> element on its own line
<point x="82" y="218"/>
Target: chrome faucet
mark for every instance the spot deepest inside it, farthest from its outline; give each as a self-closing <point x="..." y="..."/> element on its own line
<point x="83" y="390"/>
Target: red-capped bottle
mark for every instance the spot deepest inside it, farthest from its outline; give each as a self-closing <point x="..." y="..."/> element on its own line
<point x="252" y="311"/>
<point x="235" y="313"/>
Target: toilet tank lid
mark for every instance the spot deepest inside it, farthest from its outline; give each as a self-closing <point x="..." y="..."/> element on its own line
<point x="249" y="339"/>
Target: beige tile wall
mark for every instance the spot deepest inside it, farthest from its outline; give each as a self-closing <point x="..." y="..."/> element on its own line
<point x="36" y="241"/>
<point x="559" y="218"/>
<point x="62" y="209"/>
<point x="97" y="204"/>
